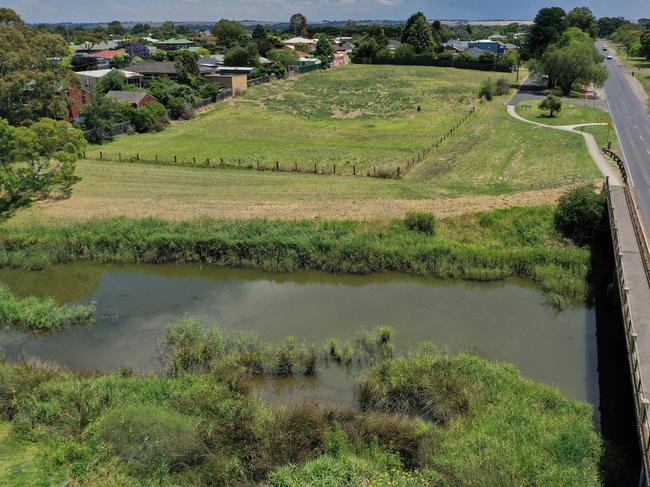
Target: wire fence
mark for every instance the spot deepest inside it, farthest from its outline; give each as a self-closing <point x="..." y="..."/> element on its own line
<point x="348" y="169"/>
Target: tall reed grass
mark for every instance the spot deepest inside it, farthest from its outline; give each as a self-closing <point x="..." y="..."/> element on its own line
<point x="489" y="246"/>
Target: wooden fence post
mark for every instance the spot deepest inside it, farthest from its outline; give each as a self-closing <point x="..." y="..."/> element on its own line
<point x="354" y="170"/>
<point x="101" y="156"/>
<point x="137" y="156"/>
<point x="277" y="165"/>
<point x="374" y="170"/>
<point x="314" y="168"/>
<point x="296" y="166"/>
<point x="398" y="171"/>
<point x="84" y="154"/>
<point x="156" y="157"/>
<point x="334" y="166"/>
<point x="193" y="159"/>
<point x="175" y="160"/>
<point x="119" y="156"/>
<point x="258" y="165"/>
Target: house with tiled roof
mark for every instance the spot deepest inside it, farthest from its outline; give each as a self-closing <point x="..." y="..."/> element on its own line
<point x="137" y="99"/>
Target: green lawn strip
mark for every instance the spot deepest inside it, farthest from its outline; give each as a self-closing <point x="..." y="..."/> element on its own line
<point x="357" y="115"/>
<point x="570" y="114"/>
<point x="519" y="242"/>
<point x="495" y="154"/>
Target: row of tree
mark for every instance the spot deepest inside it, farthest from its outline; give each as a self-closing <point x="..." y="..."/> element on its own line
<point x="561" y="46"/>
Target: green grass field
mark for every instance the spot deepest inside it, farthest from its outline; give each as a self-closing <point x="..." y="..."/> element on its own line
<point x="570" y="114"/>
<point x="355" y="115"/>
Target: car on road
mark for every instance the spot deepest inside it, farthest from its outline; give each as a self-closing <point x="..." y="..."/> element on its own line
<point x="604" y="48"/>
<point x="610" y="57"/>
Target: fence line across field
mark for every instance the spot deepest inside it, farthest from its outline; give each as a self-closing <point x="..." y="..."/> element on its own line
<point x="377" y="171"/>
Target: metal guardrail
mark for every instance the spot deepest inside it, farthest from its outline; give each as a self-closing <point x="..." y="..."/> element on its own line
<point x="641" y="404"/>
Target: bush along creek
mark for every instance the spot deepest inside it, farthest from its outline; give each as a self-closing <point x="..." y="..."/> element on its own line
<point x="424" y="418"/>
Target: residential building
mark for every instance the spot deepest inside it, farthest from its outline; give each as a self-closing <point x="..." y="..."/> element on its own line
<point x="175" y="44"/>
<point x="161" y="69"/>
<point x="497" y="48"/>
<point x="137" y="99"/>
<point x="295" y="41"/>
<point x="393" y="44"/>
<point x="456" y="46"/>
<point x="88" y="78"/>
<point x="340" y="59"/>
<point x="476" y="52"/>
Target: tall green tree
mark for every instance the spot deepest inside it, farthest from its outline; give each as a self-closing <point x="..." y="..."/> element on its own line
<point x="574" y="58"/>
<point x="377" y="32"/>
<point x="36" y="161"/>
<point x="549" y="24"/>
<point x="187" y="70"/>
<point x="645" y="44"/>
<point x="115" y="28"/>
<point x="324" y="48"/>
<point x="242" y="56"/>
<point x="167" y="30"/>
<point x="607" y="25"/>
<point x="418" y="33"/>
<point x="583" y="19"/>
<point x="259" y="33"/>
<point x="31" y="84"/>
<point x="298" y="23"/>
<point x="229" y="33"/>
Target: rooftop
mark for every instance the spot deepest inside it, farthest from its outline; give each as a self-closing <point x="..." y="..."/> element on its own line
<point x="132" y="97"/>
<point x="175" y="41"/>
<point x="100" y="73"/>
<point x="109" y="54"/>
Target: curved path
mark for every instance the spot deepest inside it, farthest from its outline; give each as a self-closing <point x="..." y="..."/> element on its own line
<point x="592" y="145"/>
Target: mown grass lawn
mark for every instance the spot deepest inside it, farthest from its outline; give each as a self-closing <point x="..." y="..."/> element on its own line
<point x="570" y="114"/>
<point x="496" y="154"/>
<point x="355" y="115"/>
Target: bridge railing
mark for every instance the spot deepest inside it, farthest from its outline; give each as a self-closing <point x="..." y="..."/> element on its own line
<point x="642" y="405"/>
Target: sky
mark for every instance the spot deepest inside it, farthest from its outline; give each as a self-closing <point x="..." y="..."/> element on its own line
<point x="281" y="10"/>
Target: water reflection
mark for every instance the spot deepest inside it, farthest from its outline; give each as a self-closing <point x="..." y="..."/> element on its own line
<point x="505" y="321"/>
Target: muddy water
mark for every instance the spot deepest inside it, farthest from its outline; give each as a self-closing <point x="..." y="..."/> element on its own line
<point x="505" y="321"/>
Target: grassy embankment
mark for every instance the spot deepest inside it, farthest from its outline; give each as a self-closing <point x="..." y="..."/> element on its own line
<point x="491" y="245"/>
<point x="428" y="419"/>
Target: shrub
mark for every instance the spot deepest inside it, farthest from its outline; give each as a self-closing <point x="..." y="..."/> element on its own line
<point x="151" y="438"/>
<point x="502" y="87"/>
<point x="487" y="57"/>
<point x="209" y="90"/>
<point x="420" y="222"/>
<point x="150" y="118"/>
<point x="37" y="314"/>
<point x="180" y="109"/>
<point x="579" y="213"/>
<point x="487" y="89"/>
<point x="552" y="104"/>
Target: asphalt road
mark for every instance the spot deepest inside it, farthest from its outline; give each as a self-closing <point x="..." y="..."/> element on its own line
<point x="633" y="127"/>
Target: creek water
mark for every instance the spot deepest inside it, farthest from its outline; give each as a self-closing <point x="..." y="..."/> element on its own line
<point x="507" y="321"/>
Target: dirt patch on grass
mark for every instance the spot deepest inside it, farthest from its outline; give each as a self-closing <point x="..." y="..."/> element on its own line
<point x="82" y="208"/>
